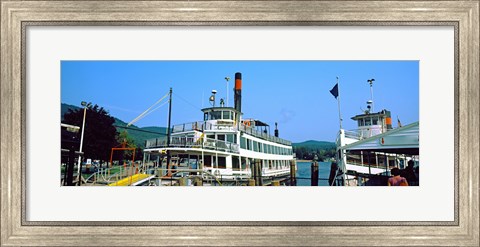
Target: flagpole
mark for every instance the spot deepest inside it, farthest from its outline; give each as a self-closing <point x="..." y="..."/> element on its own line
<point x="338" y="101"/>
<point x="342" y="152"/>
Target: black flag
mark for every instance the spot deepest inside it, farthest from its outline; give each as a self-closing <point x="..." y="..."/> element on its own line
<point x="334" y="91"/>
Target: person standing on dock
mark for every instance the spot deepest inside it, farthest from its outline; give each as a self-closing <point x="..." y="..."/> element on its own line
<point x="409" y="173"/>
<point x="397" y="180"/>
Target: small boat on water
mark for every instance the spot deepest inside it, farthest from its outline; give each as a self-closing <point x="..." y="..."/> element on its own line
<point x="366" y="155"/>
<point x="222" y="149"/>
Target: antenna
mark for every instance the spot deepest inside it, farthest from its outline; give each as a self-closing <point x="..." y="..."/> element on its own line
<point x="227" y="79"/>
<point x="371" y="92"/>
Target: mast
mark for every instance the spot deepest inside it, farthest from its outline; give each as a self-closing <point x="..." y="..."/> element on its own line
<point x="168" y="130"/>
<point x="338" y="101"/>
<point x="371" y="91"/>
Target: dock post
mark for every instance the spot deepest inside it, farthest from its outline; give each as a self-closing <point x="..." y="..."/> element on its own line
<point x="253" y="167"/>
<point x="275" y="183"/>
<point x="251" y="182"/>
<point x="258" y="167"/>
<point x="293" y="177"/>
<point x="314" y="174"/>
<point x="70" y="167"/>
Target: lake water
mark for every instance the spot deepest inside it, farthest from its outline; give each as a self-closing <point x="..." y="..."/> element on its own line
<point x="304" y="173"/>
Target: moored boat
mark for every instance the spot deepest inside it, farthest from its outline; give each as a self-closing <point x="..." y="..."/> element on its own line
<point x="222" y="149"/>
<point x="366" y="155"/>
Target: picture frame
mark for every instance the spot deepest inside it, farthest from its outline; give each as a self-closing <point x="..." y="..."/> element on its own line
<point x="16" y="15"/>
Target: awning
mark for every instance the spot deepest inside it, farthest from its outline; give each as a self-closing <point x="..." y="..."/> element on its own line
<point x="403" y="140"/>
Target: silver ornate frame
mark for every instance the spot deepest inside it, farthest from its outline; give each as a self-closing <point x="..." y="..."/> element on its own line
<point x="16" y="16"/>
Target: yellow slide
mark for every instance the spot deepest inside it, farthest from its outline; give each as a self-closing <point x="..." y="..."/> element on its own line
<point x="130" y="180"/>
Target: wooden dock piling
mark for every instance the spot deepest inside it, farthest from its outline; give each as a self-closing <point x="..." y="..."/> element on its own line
<point x="314" y="174"/>
<point x="293" y="172"/>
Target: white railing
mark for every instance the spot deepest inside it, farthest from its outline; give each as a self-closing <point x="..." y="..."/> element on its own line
<point x="201" y="126"/>
<point x="221" y="145"/>
<point x="264" y="135"/>
<point x="361" y="134"/>
<point x="190" y="142"/>
<point x="204" y="125"/>
<point x="353" y="134"/>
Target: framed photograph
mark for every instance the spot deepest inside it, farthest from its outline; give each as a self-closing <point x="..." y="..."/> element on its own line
<point x="302" y="70"/>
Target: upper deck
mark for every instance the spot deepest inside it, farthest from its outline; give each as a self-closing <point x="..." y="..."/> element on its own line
<point x="220" y="125"/>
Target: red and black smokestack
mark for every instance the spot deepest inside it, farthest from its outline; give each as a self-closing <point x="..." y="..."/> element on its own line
<point x="238" y="92"/>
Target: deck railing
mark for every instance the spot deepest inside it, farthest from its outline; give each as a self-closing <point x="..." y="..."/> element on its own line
<point x="354" y="134"/>
<point x="221" y="145"/>
<point x="190" y="142"/>
<point x="361" y="134"/>
<point x="264" y="135"/>
<point x="202" y="126"/>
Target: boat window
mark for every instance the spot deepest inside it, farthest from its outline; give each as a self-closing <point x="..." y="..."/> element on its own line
<point x="368" y="121"/>
<point x="259" y="147"/>
<point x="255" y="146"/>
<point x="375" y="120"/>
<point x="226" y="115"/>
<point x="231" y="138"/>
<point x="244" y="163"/>
<point x="221" y="137"/>
<point x="249" y="144"/>
<point x="222" y="162"/>
<point x="215" y="115"/>
<point x="211" y="136"/>
<point x="207" y="162"/>
<point x="243" y="143"/>
<point x="235" y="163"/>
<point x="360" y="122"/>
<point x="264" y="148"/>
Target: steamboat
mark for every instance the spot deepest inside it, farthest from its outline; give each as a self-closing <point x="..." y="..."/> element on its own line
<point x="222" y="149"/>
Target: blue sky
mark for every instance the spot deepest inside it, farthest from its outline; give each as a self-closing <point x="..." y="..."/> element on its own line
<point x="293" y="93"/>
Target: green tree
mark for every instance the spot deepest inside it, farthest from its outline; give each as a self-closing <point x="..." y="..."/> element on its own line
<point x="100" y="134"/>
<point x="125" y="138"/>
